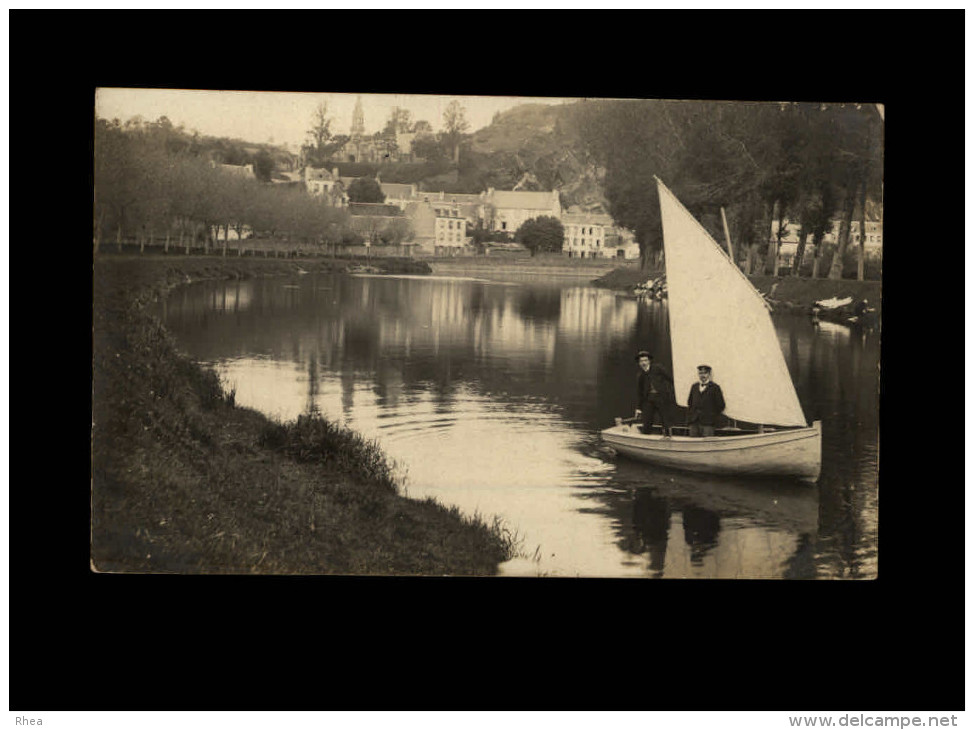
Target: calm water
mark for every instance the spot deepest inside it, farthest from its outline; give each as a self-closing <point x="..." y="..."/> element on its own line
<point x="490" y="396"/>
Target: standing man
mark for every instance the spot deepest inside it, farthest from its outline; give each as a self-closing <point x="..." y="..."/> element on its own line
<point x="654" y="393"/>
<point x="705" y="404"/>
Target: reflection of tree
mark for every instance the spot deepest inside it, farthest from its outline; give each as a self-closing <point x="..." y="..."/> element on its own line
<point x="311" y="408"/>
<point x="538" y="304"/>
<point x="442" y="388"/>
<point x="361" y="342"/>
<point x="802" y="565"/>
<point x="348" y="391"/>
<point x="388" y="384"/>
<point x="700" y="529"/>
<point x="844" y="386"/>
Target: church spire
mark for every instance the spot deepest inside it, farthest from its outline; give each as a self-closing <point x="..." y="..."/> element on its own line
<point x="358" y="119"/>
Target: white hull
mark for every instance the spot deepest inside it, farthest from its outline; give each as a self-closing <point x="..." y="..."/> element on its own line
<point x="793" y="452"/>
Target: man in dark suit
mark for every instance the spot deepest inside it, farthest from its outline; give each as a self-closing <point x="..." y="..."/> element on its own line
<point x="654" y="393"/>
<point x="705" y="404"/>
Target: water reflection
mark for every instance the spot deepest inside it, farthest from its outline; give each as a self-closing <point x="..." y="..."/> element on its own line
<point x="491" y="397"/>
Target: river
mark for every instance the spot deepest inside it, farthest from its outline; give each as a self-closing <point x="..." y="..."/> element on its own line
<point x="490" y="395"/>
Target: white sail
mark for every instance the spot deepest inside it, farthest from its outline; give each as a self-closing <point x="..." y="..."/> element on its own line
<point x="718" y="318"/>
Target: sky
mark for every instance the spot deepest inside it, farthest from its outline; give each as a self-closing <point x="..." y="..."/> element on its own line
<point x="285" y="117"/>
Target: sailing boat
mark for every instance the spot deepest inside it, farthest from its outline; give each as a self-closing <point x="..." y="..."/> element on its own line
<point x="717" y="317"/>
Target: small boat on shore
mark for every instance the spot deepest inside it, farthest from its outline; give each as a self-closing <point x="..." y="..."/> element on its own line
<point x="717" y="317"/>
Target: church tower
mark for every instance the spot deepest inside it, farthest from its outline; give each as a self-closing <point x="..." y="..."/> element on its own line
<point x="358" y="120"/>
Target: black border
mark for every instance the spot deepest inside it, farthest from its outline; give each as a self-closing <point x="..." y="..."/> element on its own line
<point x="81" y="641"/>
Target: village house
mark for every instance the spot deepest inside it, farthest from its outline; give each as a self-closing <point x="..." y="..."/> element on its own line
<point x="399" y="194"/>
<point x="324" y="183"/>
<point x="506" y="210"/>
<point x="439" y="229"/>
<point x="623" y="242"/>
<point x="585" y="235"/>
<point x="470" y="206"/>
<point x="287" y="178"/>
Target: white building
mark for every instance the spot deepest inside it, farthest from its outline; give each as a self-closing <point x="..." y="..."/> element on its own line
<point x="874" y="234"/>
<point x="506" y="210"/>
<point x="585" y="235"/>
<point x="594" y="235"/>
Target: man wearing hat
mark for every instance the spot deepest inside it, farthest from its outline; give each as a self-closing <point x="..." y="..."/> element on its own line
<point x="654" y="393"/>
<point x="705" y="404"/>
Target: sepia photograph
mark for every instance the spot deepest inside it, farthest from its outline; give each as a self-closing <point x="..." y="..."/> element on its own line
<point x="361" y="334"/>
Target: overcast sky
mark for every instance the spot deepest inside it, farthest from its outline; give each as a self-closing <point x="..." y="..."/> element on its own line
<point x="285" y="117"/>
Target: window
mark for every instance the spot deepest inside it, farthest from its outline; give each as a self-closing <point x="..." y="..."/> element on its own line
<point x="583" y="242"/>
<point x="503" y="225"/>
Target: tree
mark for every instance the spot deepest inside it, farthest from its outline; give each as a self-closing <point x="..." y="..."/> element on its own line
<point x="400" y="121"/>
<point x="859" y="157"/>
<point x="396" y="232"/>
<point x="455" y="125"/>
<point x="319" y="134"/>
<point x="263" y="165"/>
<point x="429" y="148"/>
<point x="423" y="127"/>
<point x="365" y="190"/>
<point x="543" y="233"/>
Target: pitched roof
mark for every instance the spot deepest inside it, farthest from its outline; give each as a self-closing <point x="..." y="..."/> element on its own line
<point x="374" y="209"/>
<point x="523" y="199"/>
<point x="459" y="198"/>
<point x="396" y="190"/>
<point x="586" y="219"/>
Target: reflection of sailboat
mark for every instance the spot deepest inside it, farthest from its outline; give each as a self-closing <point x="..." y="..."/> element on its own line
<point x="718" y="318"/>
<point x="776" y="504"/>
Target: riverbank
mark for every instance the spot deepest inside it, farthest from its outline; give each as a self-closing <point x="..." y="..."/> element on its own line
<point x="185" y="481"/>
<point x="789" y="293"/>
<point x="554" y="266"/>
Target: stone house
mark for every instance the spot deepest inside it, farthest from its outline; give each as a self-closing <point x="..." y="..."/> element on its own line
<point x="439" y="229"/>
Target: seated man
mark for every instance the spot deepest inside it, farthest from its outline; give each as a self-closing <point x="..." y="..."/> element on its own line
<point x="705" y="404"/>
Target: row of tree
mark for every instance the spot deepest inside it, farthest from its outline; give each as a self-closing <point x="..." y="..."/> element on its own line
<point x="147" y="191"/>
<point x="760" y="162"/>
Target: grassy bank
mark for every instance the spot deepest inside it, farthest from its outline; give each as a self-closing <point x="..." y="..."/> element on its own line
<point x="790" y="293"/>
<point x="185" y="481"/>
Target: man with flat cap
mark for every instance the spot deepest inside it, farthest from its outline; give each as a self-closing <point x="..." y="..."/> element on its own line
<point x="705" y="404"/>
<point x="654" y="393"/>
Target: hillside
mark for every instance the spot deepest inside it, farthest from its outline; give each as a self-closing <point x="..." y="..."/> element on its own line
<point x="534" y="145"/>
